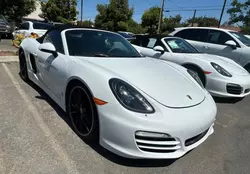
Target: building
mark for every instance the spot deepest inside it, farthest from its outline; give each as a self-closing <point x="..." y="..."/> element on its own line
<point x="34" y="16"/>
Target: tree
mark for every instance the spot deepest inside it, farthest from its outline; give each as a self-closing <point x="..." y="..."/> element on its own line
<point x="64" y="11"/>
<point x="203" y="21"/>
<point x="240" y="12"/>
<point x="16" y="9"/>
<point x="114" y="16"/>
<point x="150" y="19"/>
<point x="134" y="27"/>
<point x="169" y="24"/>
<point x="86" y="23"/>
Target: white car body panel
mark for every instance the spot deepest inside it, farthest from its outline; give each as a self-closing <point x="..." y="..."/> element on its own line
<point x="156" y="80"/>
<point x="216" y="83"/>
<point x="241" y="55"/>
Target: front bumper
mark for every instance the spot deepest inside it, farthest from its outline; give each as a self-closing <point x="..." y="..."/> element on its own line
<point x="187" y="127"/>
<point x="236" y="86"/>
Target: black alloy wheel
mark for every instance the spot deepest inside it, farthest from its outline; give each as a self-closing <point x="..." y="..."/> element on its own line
<point x="23" y="67"/>
<point x="82" y="112"/>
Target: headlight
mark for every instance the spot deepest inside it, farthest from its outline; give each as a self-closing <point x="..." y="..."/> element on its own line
<point x="221" y="70"/>
<point x="129" y="97"/>
<point x="196" y="77"/>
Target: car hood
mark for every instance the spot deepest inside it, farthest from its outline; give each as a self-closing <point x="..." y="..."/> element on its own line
<point x="160" y="80"/>
<point x="231" y="66"/>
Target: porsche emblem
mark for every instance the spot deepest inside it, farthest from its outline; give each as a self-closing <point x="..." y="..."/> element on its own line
<point x="189" y="97"/>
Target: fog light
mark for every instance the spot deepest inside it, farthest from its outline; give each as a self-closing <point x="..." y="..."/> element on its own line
<point x="151" y="134"/>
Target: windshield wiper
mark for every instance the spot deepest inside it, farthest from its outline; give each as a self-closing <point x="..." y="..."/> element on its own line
<point x="101" y="55"/>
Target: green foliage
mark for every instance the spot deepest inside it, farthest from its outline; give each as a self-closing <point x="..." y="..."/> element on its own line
<point x="114" y="16"/>
<point x="169" y="24"/>
<point x="86" y="23"/>
<point x="150" y="19"/>
<point x="59" y="10"/>
<point x="203" y="21"/>
<point x="240" y="12"/>
<point x="134" y="27"/>
<point x="16" y="9"/>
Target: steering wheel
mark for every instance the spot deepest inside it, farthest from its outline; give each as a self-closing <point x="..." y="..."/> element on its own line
<point x="114" y="50"/>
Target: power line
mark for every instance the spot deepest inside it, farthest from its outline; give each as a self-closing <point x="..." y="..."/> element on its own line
<point x="208" y="9"/>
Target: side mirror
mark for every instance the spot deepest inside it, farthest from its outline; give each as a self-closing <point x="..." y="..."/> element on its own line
<point x="48" y="48"/>
<point x="231" y="44"/>
<point x="159" y="49"/>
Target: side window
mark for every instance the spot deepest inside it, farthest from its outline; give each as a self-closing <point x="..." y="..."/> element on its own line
<point x="55" y="38"/>
<point x="24" y="26"/>
<point x="193" y="34"/>
<point x="218" y="37"/>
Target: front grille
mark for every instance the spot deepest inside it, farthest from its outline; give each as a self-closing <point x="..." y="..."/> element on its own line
<point x="157" y="145"/>
<point x="234" y="89"/>
<point x="193" y="140"/>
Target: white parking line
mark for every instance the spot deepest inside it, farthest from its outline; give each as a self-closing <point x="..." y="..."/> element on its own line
<point x="71" y="167"/>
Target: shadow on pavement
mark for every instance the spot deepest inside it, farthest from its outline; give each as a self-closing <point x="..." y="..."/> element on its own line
<point x="227" y="100"/>
<point x="105" y="153"/>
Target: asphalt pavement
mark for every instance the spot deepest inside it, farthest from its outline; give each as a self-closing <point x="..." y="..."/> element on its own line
<point x="6" y="45"/>
<point x="36" y="137"/>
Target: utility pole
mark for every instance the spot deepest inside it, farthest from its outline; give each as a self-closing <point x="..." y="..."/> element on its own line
<point x="81" y="10"/>
<point x="193" y="18"/>
<point x="222" y="11"/>
<point x="160" y="17"/>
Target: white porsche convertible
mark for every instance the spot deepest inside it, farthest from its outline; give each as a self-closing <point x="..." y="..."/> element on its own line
<point x="221" y="76"/>
<point x="133" y="106"/>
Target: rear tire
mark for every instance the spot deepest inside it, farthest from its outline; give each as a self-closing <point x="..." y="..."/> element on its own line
<point x="23" y="67"/>
<point x="81" y="109"/>
<point x="199" y="73"/>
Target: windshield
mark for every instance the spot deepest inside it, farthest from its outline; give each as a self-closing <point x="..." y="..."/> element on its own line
<point x="127" y="36"/>
<point x="41" y="26"/>
<point x="180" y="46"/>
<point x="93" y="43"/>
<point x="241" y="37"/>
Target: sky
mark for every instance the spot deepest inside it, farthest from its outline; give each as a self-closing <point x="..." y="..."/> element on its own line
<point x="175" y="7"/>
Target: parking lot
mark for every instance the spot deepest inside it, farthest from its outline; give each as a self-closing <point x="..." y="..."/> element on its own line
<point x="36" y="137"/>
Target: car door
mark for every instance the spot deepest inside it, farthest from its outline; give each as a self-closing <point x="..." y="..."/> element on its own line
<point x="216" y="45"/>
<point x="52" y="68"/>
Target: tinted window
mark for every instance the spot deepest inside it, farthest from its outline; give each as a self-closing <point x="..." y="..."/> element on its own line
<point x="41" y="26"/>
<point x="218" y="37"/>
<point x="55" y="38"/>
<point x="93" y="43"/>
<point x="180" y="46"/>
<point x="193" y="34"/>
<point x="24" y="26"/>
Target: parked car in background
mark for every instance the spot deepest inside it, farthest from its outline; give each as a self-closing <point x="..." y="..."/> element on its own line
<point x="222" y="42"/>
<point x="27" y="28"/>
<point x="221" y="76"/>
<point x="4" y="27"/>
<point x="248" y="36"/>
<point x="129" y="37"/>
<point x="98" y="78"/>
<point x="127" y="33"/>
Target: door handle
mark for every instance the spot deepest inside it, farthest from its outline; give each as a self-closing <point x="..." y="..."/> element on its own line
<point x="206" y="47"/>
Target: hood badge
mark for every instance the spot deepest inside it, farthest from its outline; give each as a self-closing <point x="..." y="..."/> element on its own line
<point x="189" y="97"/>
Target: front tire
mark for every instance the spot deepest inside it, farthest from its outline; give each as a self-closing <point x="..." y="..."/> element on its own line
<point x="82" y="112"/>
<point x="198" y="72"/>
<point x="23" y="67"/>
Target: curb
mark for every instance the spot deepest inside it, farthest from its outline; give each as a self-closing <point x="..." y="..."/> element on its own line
<point x="4" y="59"/>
